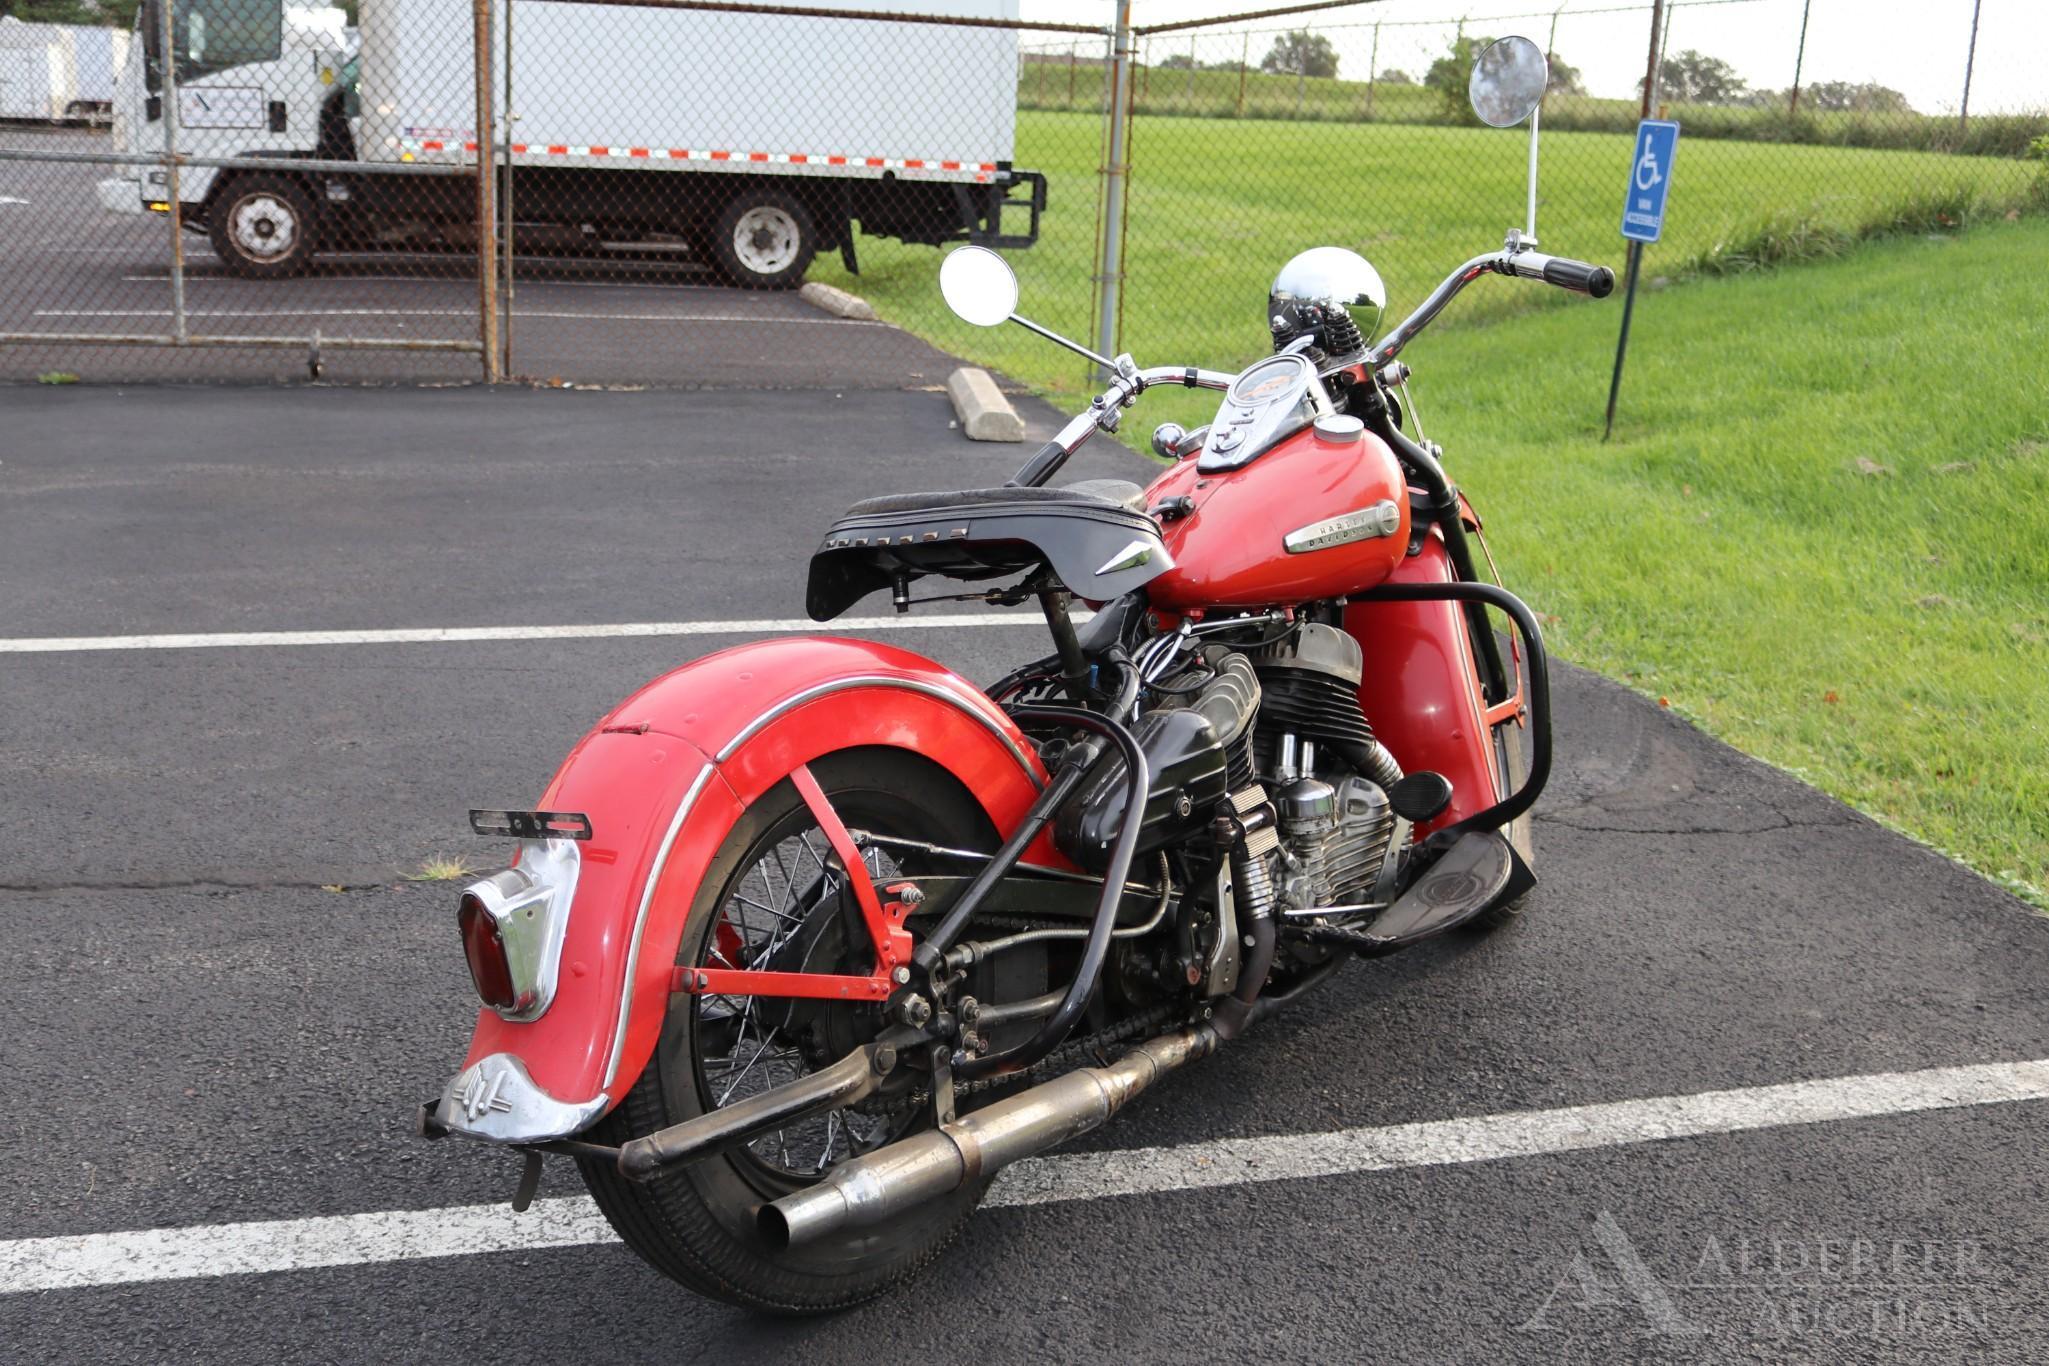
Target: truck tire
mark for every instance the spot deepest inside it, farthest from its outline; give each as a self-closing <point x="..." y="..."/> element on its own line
<point x="764" y="240"/>
<point x="262" y="227"/>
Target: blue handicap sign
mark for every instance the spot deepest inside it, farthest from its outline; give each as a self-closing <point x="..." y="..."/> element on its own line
<point x="1650" y="180"/>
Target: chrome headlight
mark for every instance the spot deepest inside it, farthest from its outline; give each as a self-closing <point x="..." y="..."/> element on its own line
<point x="1320" y="286"/>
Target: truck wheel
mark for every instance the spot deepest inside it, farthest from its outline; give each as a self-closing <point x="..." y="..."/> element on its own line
<point x="262" y="227"/>
<point x="764" y="240"/>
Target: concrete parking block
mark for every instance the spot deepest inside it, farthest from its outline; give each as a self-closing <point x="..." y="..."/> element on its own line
<point x="836" y="301"/>
<point x="985" y="414"/>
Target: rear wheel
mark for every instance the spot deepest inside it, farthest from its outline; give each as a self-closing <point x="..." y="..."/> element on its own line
<point x="764" y="240"/>
<point x="262" y="227"/>
<point x="775" y="898"/>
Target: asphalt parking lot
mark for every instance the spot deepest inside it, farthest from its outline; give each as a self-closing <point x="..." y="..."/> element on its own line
<point x="226" y="996"/>
<point x="615" y="318"/>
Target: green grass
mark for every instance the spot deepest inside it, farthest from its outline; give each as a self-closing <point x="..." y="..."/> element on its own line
<point x="1821" y="530"/>
<point x="1217" y="205"/>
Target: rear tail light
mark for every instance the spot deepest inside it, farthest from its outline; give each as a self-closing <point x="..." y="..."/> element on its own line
<point x="513" y="923"/>
<point x="485" y="949"/>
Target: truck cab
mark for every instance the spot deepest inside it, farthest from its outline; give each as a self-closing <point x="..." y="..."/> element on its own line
<point x="254" y="78"/>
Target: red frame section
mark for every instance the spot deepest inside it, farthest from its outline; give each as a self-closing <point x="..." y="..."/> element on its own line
<point x="884" y="921"/>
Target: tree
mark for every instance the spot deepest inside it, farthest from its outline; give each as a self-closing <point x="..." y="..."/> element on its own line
<point x="1394" y="75"/>
<point x="1565" y="77"/>
<point x="114" y="13"/>
<point x="1864" y="97"/>
<point x="1451" y="75"/>
<point x="1301" y="53"/>
<point x="1695" y="78"/>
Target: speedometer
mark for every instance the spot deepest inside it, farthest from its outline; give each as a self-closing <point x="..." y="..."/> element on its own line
<point x="1271" y="399"/>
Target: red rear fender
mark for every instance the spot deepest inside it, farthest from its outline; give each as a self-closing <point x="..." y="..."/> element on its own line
<point x="664" y="777"/>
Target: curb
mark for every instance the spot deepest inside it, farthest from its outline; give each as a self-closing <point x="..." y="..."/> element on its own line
<point x="985" y="414"/>
<point x="836" y="301"/>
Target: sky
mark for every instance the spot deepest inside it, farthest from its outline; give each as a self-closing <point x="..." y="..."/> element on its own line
<point x="1914" y="46"/>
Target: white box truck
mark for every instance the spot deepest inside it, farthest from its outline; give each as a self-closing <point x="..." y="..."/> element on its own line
<point x="36" y="72"/>
<point x="755" y="140"/>
<point x="57" y="72"/>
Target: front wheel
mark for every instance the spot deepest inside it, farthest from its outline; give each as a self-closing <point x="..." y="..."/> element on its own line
<point x="764" y="240"/>
<point x="262" y="227"/>
<point x="773" y="899"/>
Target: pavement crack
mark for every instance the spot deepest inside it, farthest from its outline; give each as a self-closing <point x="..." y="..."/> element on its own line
<point x="201" y="884"/>
<point x="1783" y="823"/>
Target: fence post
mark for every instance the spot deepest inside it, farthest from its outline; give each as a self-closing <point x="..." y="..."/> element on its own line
<point x="1110" y="270"/>
<point x="1799" y="60"/>
<point x="1191" y="73"/>
<point x="1071" y="53"/>
<point x="511" y="251"/>
<point x="1372" y="70"/>
<point x="1970" y="59"/>
<point x="168" y="84"/>
<point x="1244" y="56"/>
<point x="487" y="193"/>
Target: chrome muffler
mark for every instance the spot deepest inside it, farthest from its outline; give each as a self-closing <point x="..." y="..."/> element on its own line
<point x="868" y="1190"/>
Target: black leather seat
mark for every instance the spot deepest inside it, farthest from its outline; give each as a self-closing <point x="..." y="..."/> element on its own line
<point x="1094" y="535"/>
<point x="1118" y="492"/>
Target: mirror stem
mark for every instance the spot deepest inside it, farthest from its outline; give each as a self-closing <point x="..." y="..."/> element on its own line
<point x="1535" y="114"/>
<point x="1028" y="325"/>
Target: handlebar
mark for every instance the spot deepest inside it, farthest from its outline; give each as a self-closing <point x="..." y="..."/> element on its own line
<point x="1514" y="259"/>
<point x="1578" y="276"/>
<point x="1103" y="413"/>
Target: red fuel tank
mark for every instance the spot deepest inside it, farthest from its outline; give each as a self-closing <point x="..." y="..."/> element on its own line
<point x="1323" y="514"/>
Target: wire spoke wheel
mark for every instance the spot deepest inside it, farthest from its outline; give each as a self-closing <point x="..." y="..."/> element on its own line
<point x="793" y="900"/>
<point x="776" y="899"/>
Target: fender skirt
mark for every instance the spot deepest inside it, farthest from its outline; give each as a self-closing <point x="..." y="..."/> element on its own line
<point x="664" y="777"/>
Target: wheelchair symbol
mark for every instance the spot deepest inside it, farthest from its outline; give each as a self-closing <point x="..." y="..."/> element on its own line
<point x="1647" y="170"/>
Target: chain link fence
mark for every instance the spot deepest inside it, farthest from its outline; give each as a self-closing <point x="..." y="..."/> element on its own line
<point x="256" y="189"/>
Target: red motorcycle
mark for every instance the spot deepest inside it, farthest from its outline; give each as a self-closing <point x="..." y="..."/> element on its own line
<point x="811" y="937"/>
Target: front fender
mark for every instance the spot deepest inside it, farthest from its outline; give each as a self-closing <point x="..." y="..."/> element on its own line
<point x="664" y="777"/>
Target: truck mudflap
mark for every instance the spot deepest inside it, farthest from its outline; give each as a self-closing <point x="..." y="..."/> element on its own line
<point x="987" y="230"/>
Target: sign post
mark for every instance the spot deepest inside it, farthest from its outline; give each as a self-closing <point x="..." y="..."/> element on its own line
<point x="1643" y="221"/>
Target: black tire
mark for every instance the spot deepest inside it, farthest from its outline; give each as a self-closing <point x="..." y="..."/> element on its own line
<point x="697" y="1225"/>
<point x="262" y="227"/>
<point x="764" y="240"/>
<point x="1514" y="759"/>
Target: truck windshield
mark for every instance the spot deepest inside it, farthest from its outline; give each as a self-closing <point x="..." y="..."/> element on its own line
<point x="212" y="35"/>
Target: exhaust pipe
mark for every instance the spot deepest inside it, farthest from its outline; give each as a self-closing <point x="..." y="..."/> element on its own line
<point x="868" y="1190"/>
<point x="853" y="1078"/>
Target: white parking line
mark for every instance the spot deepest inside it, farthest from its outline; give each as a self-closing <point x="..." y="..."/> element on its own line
<point x="449" y="635"/>
<point x="676" y="288"/>
<point x="321" y="311"/>
<point x="406" y="1235"/>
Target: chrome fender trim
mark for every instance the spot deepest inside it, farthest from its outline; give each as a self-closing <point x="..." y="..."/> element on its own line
<point x="495" y="1099"/>
<point x="818" y="690"/>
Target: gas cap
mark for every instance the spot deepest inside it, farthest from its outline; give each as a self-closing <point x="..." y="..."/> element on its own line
<point x="1339" y="429"/>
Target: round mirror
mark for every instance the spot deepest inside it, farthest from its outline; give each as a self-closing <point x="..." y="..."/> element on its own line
<point x="978" y="285"/>
<point x="1508" y="82"/>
